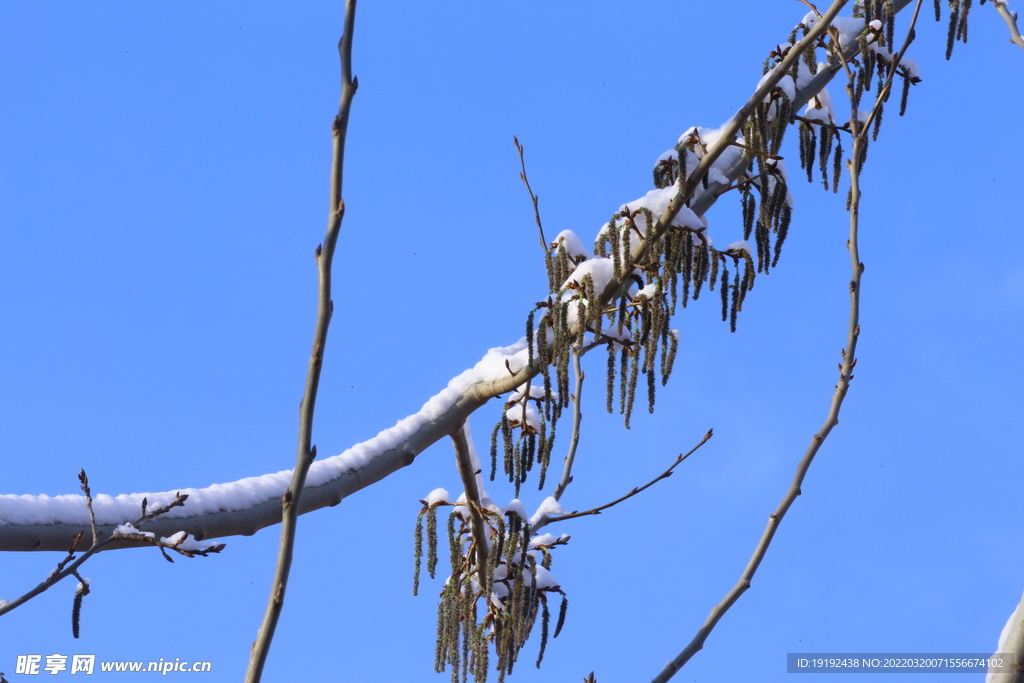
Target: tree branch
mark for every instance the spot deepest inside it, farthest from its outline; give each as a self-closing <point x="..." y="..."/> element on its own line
<point x="325" y="307"/>
<point x="726" y="138"/>
<point x="467" y="472"/>
<point x="64" y="570"/>
<point x="849" y="360"/>
<point x="262" y="507"/>
<point x="1011" y="22"/>
<point x="536" y="208"/>
<point x="596" y="511"/>
<point x="577" y="418"/>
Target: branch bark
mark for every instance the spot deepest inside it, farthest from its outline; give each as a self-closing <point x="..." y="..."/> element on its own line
<point x="1011" y="22"/>
<point x="467" y="472"/>
<point x="325" y="307"/>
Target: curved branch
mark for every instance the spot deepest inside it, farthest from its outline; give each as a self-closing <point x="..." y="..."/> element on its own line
<point x="596" y="511"/>
<point x="244" y="507"/>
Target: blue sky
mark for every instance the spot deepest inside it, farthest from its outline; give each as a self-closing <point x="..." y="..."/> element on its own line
<point x="163" y="184"/>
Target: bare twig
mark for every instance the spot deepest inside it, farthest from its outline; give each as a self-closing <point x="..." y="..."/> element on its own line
<point x="325" y="307"/>
<point x="577" y="418"/>
<point x="849" y="360"/>
<point x="84" y="480"/>
<point x="533" y="198"/>
<point x="467" y="472"/>
<point x="652" y="482"/>
<point x="1011" y="22"/>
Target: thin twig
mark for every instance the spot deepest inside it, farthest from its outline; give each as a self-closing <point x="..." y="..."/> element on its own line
<point x="577" y="418"/>
<point x="533" y="198"/>
<point x="838" y="50"/>
<point x="467" y="472"/>
<point x="84" y="480"/>
<point x="757" y="152"/>
<point x="823" y="124"/>
<point x="1011" y="22"/>
<point x="325" y="307"/>
<point x="536" y="216"/>
<point x="813" y="8"/>
<point x="849" y="360"/>
<point x="652" y="482"/>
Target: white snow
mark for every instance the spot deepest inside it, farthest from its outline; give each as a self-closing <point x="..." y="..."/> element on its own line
<point x="128" y="528"/>
<point x="545" y="579"/>
<point x="515" y="506"/>
<point x="820" y="107"/>
<point x="181" y="540"/>
<point x="849" y="28"/>
<point x="912" y="68"/>
<point x="549" y="507"/>
<point x="647" y="291"/>
<point x="542" y="539"/>
<point x="437" y="496"/>
<point x="515" y="415"/>
<point x="572" y="243"/>
<point x="742" y="244"/>
<point x="601" y="271"/>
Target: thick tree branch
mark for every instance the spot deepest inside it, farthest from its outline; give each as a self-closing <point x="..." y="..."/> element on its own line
<point x="468" y="472"/>
<point x="1011" y="22"/>
<point x="25" y="532"/>
<point x="325" y="307"/>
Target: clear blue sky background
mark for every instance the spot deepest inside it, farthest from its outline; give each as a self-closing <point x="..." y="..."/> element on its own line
<point x="163" y="184"/>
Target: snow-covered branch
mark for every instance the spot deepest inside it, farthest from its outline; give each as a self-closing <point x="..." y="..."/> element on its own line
<point x="245" y="506"/>
<point x="1011" y="642"/>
